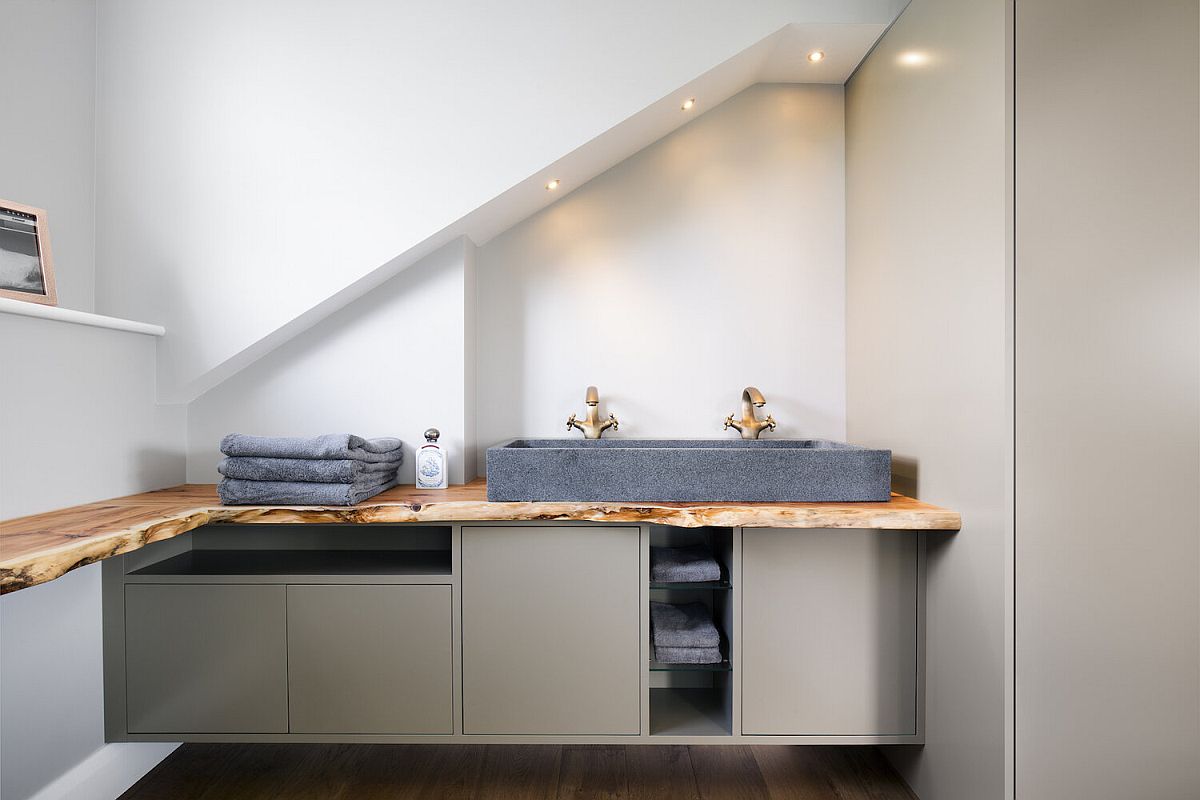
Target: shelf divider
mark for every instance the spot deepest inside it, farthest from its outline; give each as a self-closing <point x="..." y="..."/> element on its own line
<point x="715" y="586"/>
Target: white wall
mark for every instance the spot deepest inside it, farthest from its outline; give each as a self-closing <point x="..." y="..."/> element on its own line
<point x="78" y="423"/>
<point x="390" y="364"/>
<point x="255" y="158"/>
<point x="927" y="332"/>
<point x="47" y="115"/>
<point x="711" y="260"/>
<point x="663" y="242"/>
<point x="1108" y="400"/>
<point x="79" y="404"/>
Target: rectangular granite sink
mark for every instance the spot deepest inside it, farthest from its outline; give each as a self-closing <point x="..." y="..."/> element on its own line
<point x="686" y="470"/>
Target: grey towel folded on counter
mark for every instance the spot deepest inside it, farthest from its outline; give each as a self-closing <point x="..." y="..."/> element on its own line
<point x="235" y="492"/>
<point x="329" y="446"/>
<point x="313" y="470"/>
<point x="687" y="655"/>
<point x="683" y="564"/>
<point x="685" y="625"/>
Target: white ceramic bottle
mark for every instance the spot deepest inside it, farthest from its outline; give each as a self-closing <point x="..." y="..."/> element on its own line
<point x="431" y="463"/>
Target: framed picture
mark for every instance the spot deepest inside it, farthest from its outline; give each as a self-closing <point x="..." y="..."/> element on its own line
<point x="26" y="270"/>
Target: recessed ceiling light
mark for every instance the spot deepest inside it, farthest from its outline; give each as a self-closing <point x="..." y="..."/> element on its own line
<point x="816" y="55"/>
<point x="913" y="58"/>
<point x="688" y="104"/>
<point x="552" y="185"/>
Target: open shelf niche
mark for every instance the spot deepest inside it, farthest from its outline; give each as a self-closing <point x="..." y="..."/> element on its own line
<point x="276" y="552"/>
<point x="695" y="699"/>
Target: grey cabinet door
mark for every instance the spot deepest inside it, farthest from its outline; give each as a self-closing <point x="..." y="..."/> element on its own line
<point x="550" y="627"/>
<point x="829" y="632"/>
<point x="370" y="659"/>
<point x="206" y="659"/>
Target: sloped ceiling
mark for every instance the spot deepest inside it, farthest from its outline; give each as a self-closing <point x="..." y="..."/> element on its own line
<point x="222" y="315"/>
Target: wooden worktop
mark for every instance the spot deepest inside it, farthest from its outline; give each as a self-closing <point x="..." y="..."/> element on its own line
<point x="42" y="547"/>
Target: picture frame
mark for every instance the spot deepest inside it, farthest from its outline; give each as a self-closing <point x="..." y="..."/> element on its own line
<point x="26" y="266"/>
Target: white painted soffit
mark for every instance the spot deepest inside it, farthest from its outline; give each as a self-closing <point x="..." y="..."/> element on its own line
<point x="781" y="57"/>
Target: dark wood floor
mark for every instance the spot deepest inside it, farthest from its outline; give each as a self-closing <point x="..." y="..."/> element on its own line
<point x="516" y="772"/>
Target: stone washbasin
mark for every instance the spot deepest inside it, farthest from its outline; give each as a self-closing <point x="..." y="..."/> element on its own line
<point x="686" y="470"/>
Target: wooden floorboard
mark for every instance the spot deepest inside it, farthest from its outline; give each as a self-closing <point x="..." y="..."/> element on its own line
<point x="864" y="774"/>
<point x="519" y="772"/>
<point x="184" y="774"/>
<point x="795" y="773"/>
<point x="661" y="772"/>
<point x="593" y="772"/>
<point x="254" y="771"/>
<point x="727" y="772"/>
<point x="421" y="772"/>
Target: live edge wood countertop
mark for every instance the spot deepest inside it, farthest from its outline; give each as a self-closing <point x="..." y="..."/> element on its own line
<point x="42" y="547"/>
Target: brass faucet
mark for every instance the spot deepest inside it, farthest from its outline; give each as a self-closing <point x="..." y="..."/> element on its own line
<point x="750" y="425"/>
<point x="593" y="426"/>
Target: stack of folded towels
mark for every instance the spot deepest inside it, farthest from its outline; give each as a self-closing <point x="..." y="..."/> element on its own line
<point x="684" y="634"/>
<point x="683" y="564"/>
<point x="330" y="470"/>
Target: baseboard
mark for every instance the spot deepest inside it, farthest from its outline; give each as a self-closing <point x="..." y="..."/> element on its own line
<point x="107" y="773"/>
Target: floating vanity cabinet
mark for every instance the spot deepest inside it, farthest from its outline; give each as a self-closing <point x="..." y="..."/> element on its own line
<point x="829" y="632"/>
<point x="551" y="622"/>
<point x="206" y="659"/>
<point x="279" y="632"/>
<point x="370" y="659"/>
<point x="522" y="631"/>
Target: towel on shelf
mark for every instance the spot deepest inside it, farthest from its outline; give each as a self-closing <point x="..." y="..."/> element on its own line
<point x="683" y="564"/>
<point x="687" y="655"/>
<point x="684" y="625"/>
<point x="235" y="492"/>
<point x="329" y="446"/>
<point x="312" y="470"/>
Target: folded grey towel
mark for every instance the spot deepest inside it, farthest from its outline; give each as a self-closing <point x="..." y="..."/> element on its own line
<point x="687" y="655"/>
<point x="685" y="625"/>
<point x="331" y="445"/>
<point x="234" y="492"/>
<point x="683" y="564"/>
<point x="313" y="470"/>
